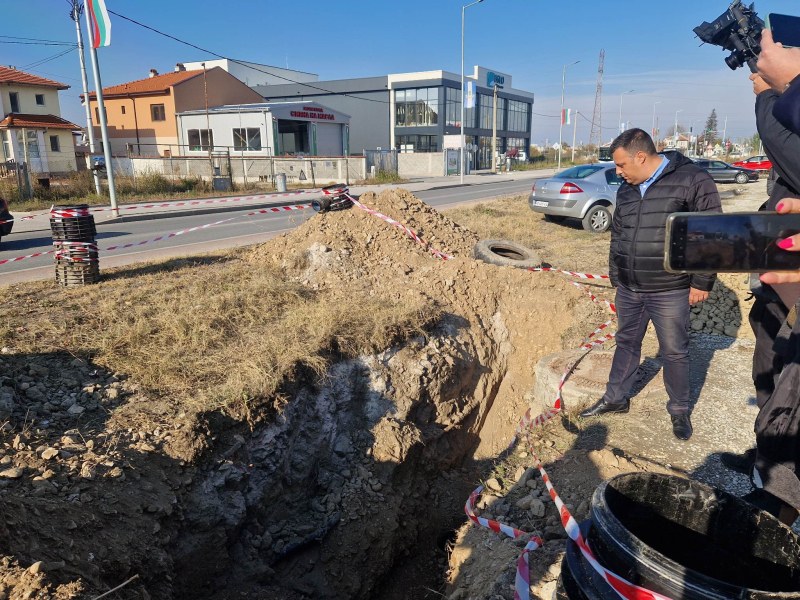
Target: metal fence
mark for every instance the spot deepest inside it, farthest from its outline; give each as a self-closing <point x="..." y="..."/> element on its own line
<point x="381" y="160"/>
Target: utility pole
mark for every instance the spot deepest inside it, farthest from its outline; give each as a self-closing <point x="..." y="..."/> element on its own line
<point x="596" y="131"/>
<point x="574" y="131"/>
<point x="75" y="15"/>
<point x="101" y="110"/>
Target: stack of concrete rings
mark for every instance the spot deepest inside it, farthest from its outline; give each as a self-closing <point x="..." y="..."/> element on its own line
<point x="76" y="258"/>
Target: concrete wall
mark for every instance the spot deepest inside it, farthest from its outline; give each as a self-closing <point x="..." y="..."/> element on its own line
<point x="318" y="172"/>
<point x="421" y="164"/>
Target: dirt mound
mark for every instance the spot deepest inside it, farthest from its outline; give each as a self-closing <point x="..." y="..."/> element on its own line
<point x="369" y="466"/>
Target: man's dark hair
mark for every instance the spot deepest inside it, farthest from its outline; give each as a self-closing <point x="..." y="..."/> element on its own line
<point x="633" y="141"/>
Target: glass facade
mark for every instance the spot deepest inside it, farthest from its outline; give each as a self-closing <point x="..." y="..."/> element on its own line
<point x="421" y="108"/>
<point x="417" y="107"/>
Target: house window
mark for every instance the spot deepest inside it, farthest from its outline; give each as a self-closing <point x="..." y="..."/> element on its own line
<point x="247" y="139"/>
<point x="39" y="99"/>
<point x="201" y="139"/>
<point x="55" y="143"/>
<point x="32" y="143"/>
<point x="13" y="97"/>
<point x="123" y="110"/>
<point x="97" y="114"/>
<point x="157" y="112"/>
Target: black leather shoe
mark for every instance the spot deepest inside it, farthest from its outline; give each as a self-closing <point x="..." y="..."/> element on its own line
<point x="681" y="427"/>
<point x="741" y="463"/>
<point x="602" y="407"/>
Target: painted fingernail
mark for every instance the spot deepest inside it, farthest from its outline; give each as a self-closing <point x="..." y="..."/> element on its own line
<point x="779" y="207"/>
<point x="785" y="243"/>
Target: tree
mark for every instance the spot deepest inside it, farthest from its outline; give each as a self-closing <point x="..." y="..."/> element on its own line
<point x="710" y="132"/>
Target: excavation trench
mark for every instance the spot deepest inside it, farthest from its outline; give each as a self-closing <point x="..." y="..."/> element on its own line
<point x="348" y="486"/>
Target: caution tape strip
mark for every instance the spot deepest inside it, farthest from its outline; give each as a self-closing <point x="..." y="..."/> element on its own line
<point x="408" y="230"/>
<point x="93" y="210"/>
<point x="271" y="209"/>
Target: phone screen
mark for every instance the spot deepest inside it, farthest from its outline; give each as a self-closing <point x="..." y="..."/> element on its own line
<point x="785" y="29"/>
<point x="732" y="243"/>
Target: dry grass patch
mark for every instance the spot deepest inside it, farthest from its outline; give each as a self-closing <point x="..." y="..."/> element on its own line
<point x="205" y="333"/>
<point x="512" y="219"/>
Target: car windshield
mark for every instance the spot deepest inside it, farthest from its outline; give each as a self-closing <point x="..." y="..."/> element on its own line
<point x="578" y="172"/>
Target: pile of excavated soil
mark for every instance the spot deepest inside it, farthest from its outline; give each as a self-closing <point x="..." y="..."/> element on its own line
<point x="352" y="490"/>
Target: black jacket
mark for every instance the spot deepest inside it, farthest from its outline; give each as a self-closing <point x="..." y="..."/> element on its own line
<point x="636" y="259"/>
<point x="787" y="107"/>
<point x="780" y="145"/>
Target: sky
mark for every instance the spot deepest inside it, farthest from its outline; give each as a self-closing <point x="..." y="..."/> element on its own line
<point x="650" y="48"/>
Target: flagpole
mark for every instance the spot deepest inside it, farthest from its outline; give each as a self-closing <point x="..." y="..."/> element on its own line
<point x="76" y="16"/>
<point x="112" y="192"/>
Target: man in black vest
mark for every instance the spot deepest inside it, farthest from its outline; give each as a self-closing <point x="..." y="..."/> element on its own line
<point x="656" y="185"/>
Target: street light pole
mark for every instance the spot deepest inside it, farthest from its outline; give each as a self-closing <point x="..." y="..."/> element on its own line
<point x="463" y="98"/>
<point x="675" y="134"/>
<point x="653" y="131"/>
<point x="561" y="114"/>
<point x="621" y="125"/>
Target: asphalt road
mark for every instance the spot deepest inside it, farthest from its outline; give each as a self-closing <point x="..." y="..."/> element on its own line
<point x="237" y="230"/>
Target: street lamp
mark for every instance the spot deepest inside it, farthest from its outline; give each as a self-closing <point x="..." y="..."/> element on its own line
<point x="653" y="130"/>
<point x="621" y="125"/>
<point x="463" y="98"/>
<point x="561" y="114"/>
<point x="675" y="135"/>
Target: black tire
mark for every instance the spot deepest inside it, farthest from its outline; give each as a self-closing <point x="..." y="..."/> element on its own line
<point x="505" y="253"/>
<point x="771" y="177"/>
<point x="741" y="178"/>
<point x="597" y="219"/>
<point x="554" y="218"/>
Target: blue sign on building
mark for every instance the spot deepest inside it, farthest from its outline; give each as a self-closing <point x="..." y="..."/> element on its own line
<point x="493" y="79"/>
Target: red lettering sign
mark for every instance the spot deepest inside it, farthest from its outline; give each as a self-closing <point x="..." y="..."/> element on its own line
<point x="302" y="114"/>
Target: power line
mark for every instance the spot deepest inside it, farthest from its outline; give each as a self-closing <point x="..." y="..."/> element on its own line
<point x="48" y="59"/>
<point x="42" y="43"/>
<point x="233" y="60"/>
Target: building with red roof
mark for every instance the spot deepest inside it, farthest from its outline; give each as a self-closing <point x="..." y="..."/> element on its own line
<point x="31" y="127"/>
<point x="141" y="114"/>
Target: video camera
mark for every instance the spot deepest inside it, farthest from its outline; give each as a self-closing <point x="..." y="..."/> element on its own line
<point x="738" y="29"/>
<point x="336" y="197"/>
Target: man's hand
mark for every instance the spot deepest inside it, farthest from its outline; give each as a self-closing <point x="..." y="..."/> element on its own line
<point x="790" y="244"/>
<point x="776" y="64"/>
<point x="759" y="85"/>
<point x="696" y="295"/>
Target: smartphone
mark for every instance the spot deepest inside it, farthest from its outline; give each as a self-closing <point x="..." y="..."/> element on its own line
<point x="729" y="243"/>
<point x="785" y="29"/>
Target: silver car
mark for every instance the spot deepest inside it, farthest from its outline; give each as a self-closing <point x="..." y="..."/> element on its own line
<point x="585" y="192"/>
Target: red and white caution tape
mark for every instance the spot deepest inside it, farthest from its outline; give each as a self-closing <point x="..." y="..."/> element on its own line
<point x="19" y="258"/>
<point x="523" y="580"/>
<point x="571" y="273"/>
<point x="271" y="209"/>
<point x="207" y="225"/>
<point x="408" y="231"/>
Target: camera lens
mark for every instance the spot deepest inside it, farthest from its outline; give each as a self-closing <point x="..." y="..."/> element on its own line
<point x="734" y="61"/>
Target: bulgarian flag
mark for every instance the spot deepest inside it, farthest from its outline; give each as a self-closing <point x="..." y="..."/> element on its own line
<point x="565" y="116"/>
<point x="99" y="23"/>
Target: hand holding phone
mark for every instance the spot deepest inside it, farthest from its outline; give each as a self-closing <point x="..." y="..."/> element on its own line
<point x="788" y="207"/>
<point x="777" y="65"/>
<point x="785" y="29"/>
<point x="731" y="243"/>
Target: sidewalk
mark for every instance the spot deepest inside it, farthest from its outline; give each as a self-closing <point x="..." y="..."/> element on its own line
<point x="157" y="209"/>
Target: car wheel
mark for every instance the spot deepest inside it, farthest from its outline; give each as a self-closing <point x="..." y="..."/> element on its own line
<point x="505" y="253"/>
<point x="741" y="178"/>
<point x="554" y="218"/>
<point x="597" y="219"/>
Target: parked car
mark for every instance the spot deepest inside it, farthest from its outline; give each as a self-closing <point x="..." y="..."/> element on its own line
<point x="585" y="192"/>
<point x="756" y="163"/>
<point x="6" y="219"/>
<point x="722" y="172"/>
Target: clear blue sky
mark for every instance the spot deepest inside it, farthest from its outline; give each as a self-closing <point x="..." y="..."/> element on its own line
<point x="649" y="47"/>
